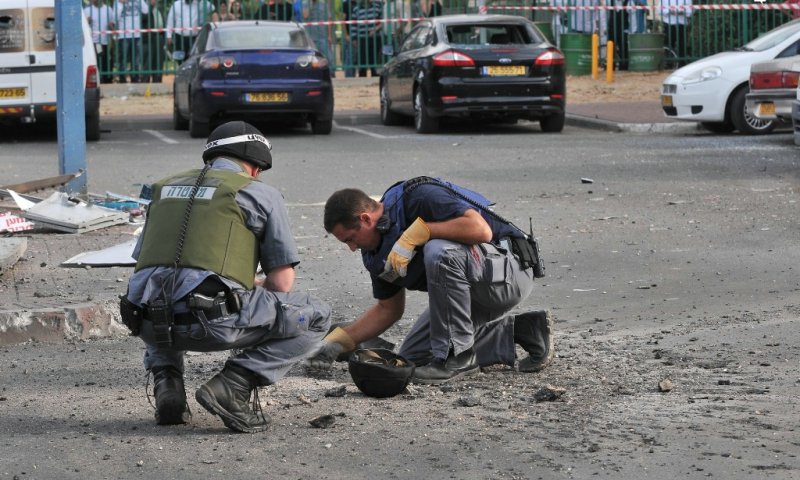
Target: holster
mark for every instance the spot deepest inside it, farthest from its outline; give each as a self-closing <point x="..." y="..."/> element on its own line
<point x="131" y="315"/>
<point x="527" y="249"/>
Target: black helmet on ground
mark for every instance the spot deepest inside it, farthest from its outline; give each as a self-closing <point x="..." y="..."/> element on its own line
<point x="379" y="372"/>
<point x="239" y="140"/>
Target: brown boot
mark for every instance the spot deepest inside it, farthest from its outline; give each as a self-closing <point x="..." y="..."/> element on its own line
<point x="533" y="331"/>
<point x="171" y="407"/>
<point x="227" y="394"/>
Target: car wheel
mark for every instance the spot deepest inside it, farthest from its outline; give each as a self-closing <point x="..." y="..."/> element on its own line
<point x="718" y="127"/>
<point x="321" y="127"/>
<point x="553" y="123"/>
<point x="93" y="127"/>
<point x="744" y="121"/>
<point x="197" y="128"/>
<point x="178" y="122"/>
<point x="388" y="117"/>
<point x="423" y="122"/>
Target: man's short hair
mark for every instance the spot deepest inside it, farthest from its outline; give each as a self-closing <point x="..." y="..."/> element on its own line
<point x="344" y="207"/>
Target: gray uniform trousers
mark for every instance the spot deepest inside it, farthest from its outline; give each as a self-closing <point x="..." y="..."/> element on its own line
<point x="275" y="330"/>
<point x="470" y="289"/>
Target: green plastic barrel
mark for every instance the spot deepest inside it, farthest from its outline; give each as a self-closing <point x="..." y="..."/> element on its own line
<point x="577" y="49"/>
<point x="645" y="51"/>
<point x="547" y="30"/>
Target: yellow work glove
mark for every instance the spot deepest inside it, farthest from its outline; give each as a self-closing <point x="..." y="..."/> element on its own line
<point x="333" y="345"/>
<point x="404" y="248"/>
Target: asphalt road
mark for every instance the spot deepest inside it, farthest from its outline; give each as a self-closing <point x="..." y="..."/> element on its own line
<point x="674" y="233"/>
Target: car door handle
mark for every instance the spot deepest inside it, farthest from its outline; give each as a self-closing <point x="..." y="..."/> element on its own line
<point x="32" y="59"/>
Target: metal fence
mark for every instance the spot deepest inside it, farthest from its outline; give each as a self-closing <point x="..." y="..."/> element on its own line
<point x="136" y="38"/>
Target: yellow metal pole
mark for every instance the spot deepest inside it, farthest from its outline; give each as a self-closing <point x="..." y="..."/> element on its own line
<point x="610" y="61"/>
<point x="595" y="55"/>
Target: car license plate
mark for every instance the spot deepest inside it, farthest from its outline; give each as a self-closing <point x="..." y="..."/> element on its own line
<point x="12" y="92"/>
<point x="267" y="97"/>
<point x="666" y="100"/>
<point x="766" y="108"/>
<point x="504" y="70"/>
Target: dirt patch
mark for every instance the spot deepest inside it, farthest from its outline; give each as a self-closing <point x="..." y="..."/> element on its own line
<point x="626" y="87"/>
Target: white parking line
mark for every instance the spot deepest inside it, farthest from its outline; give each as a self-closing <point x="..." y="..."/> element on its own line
<point x="162" y="137"/>
<point x="365" y="132"/>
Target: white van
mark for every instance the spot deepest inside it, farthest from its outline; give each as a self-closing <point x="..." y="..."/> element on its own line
<point x="28" y="65"/>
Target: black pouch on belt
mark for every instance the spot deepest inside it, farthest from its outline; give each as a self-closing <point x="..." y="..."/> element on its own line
<point x="527" y="249"/>
<point x="161" y="317"/>
<point x="131" y="315"/>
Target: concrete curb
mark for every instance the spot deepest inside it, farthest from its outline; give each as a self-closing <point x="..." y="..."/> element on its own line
<point x="68" y="323"/>
<point x="583" y="121"/>
<point x="11" y="250"/>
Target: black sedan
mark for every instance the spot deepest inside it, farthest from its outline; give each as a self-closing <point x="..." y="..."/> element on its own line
<point x="256" y="71"/>
<point x="489" y="67"/>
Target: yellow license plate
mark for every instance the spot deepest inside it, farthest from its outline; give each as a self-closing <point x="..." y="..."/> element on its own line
<point x="12" y="92"/>
<point x="766" y="108"/>
<point x="666" y="100"/>
<point x="268" y="97"/>
<point x="505" y="70"/>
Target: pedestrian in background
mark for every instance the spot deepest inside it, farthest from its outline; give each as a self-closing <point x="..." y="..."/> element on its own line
<point x="319" y="11"/>
<point x="128" y="18"/>
<point x="638" y="16"/>
<point x="194" y="287"/>
<point x="101" y="18"/>
<point x="235" y="10"/>
<point x="347" y="40"/>
<point x="675" y="14"/>
<point x="154" y="42"/>
<point x="366" y="35"/>
<point x="278" y="10"/>
<point x="184" y="19"/>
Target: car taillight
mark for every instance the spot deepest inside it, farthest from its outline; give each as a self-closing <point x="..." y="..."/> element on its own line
<point x="451" y="58"/>
<point x="91" y="76"/>
<point x="311" y="60"/>
<point x="767" y="80"/>
<point x="216" y="63"/>
<point x="550" y="57"/>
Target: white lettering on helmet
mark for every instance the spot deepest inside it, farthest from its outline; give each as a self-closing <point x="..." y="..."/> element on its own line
<point x="250" y="137"/>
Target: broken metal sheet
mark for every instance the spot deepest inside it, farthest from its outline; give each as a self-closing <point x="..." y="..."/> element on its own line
<point x="35" y="185"/>
<point x="67" y="214"/>
<point x="117" y="256"/>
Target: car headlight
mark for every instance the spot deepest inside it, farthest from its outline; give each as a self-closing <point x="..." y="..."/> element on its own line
<point x="702" y="75"/>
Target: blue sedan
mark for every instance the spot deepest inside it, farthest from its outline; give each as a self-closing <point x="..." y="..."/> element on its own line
<point x="257" y="71"/>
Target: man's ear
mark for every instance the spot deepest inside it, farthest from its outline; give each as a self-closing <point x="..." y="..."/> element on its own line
<point x="366" y="219"/>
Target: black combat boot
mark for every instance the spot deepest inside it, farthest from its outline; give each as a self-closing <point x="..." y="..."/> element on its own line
<point x="533" y="331"/>
<point x="171" y="407"/>
<point x="440" y="371"/>
<point x="227" y="394"/>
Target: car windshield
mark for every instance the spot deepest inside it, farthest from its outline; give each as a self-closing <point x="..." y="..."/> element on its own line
<point x="474" y="36"/>
<point x="260" y="37"/>
<point x="773" y="37"/>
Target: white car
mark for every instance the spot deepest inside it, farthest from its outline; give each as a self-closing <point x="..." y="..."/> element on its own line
<point x="712" y="90"/>
<point x="28" y="65"/>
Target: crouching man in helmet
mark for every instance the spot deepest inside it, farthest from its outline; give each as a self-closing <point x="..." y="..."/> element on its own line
<point x="195" y="285"/>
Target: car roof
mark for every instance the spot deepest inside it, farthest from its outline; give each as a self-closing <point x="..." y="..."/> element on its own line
<point x="473" y="18"/>
<point x="234" y="24"/>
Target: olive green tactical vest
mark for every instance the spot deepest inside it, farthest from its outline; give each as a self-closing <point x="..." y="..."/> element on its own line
<point x="217" y="238"/>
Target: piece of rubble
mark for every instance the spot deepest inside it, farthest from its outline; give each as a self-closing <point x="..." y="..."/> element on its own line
<point x="665" y="385"/>
<point x="323" y="421"/>
<point x="549" y="393"/>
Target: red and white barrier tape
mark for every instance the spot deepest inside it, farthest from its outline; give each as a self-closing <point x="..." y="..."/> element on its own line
<point x="484" y="10"/>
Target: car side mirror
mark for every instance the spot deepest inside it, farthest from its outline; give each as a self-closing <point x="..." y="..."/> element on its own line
<point x="179" y="55"/>
<point x="388" y="50"/>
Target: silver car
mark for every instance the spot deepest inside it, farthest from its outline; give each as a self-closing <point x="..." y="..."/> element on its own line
<point x="773" y="88"/>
